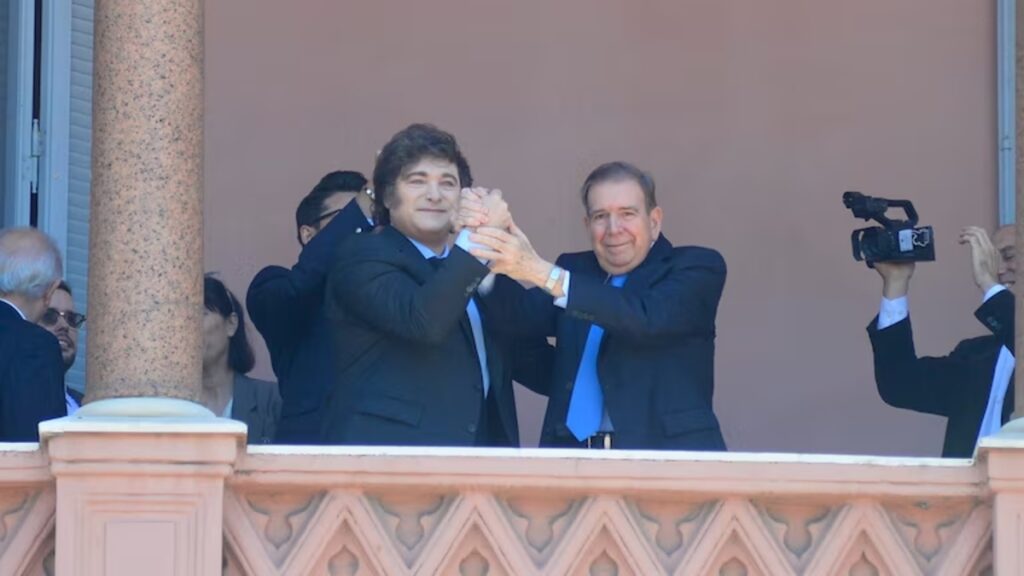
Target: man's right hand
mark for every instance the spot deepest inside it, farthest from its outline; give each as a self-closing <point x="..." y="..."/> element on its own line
<point x="895" y="278"/>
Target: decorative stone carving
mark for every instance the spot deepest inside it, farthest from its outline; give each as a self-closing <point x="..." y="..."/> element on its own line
<point x="41" y="557"/>
<point x="735" y="533"/>
<point x="926" y="527"/>
<point x="474" y="565"/>
<point x="540" y="521"/>
<point x="604" y="565"/>
<point x="604" y="556"/>
<point x="346" y="554"/>
<point x="281" y="518"/>
<point x="670" y="526"/>
<point x="13" y="505"/>
<point x="344" y="563"/>
<point x="863" y="567"/>
<point x="733" y="567"/>
<point x="983" y="566"/>
<point x="410" y="518"/>
<point x="738" y="557"/>
<point x="230" y="566"/>
<point x="864" y="558"/>
<point x="395" y="532"/>
<point x="474" y="554"/>
<point x="797" y="527"/>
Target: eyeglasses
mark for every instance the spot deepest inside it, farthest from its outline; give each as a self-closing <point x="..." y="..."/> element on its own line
<point x="74" y="319"/>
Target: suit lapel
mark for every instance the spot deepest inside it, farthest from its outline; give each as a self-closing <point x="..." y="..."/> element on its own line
<point x="580" y="329"/>
<point x="644" y="276"/>
<point x="407" y="255"/>
<point x="422" y="271"/>
<point x="467" y="330"/>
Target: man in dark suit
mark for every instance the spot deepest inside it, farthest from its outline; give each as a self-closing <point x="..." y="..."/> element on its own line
<point x="634" y="320"/>
<point x="61" y="320"/>
<point x="31" y="372"/>
<point x="418" y="361"/>
<point x="286" y="306"/>
<point x="972" y="386"/>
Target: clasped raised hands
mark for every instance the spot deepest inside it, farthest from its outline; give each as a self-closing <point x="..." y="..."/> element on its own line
<point x="480" y="207"/>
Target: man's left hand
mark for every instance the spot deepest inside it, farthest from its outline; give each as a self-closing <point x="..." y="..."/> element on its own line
<point x="510" y="253"/>
<point x="984" y="257"/>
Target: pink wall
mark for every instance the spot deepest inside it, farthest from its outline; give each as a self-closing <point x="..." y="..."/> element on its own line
<point x="753" y="117"/>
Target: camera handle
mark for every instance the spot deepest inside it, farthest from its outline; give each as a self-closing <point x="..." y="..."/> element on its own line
<point x="908" y="209"/>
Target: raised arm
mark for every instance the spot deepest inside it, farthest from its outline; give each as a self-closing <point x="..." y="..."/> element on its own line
<point x="385" y="295"/>
<point x="283" y="302"/>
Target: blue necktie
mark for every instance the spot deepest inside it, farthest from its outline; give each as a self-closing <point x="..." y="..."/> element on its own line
<point x="587" y="403"/>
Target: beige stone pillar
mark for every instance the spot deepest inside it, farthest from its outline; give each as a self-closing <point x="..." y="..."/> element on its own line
<point x="141" y="496"/>
<point x="1019" y="205"/>
<point x="1003" y="453"/>
<point x="140" y="469"/>
<point x="1003" y="456"/>
<point x="146" y="227"/>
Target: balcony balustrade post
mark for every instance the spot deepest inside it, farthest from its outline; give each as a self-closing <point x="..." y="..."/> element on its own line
<point x="140" y="469"/>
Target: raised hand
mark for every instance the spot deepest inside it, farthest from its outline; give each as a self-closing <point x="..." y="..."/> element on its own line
<point x="510" y="253"/>
<point x="481" y="207"/>
<point x="498" y="215"/>
<point x="984" y="257"/>
<point x="472" y="212"/>
<point x="895" y="278"/>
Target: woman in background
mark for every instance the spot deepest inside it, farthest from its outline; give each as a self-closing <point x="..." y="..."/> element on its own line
<point x="227" y="357"/>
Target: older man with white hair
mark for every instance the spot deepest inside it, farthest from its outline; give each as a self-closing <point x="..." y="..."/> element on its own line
<point x="31" y="370"/>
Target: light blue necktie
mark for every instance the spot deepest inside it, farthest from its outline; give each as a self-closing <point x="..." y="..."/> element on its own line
<point x="587" y="403"/>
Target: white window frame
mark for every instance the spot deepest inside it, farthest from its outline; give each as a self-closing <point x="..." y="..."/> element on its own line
<point x="55" y="121"/>
<point x="50" y="167"/>
<point x="18" y="115"/>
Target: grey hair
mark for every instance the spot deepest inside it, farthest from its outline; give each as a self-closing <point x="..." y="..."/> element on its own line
<point x="30" y="262"/>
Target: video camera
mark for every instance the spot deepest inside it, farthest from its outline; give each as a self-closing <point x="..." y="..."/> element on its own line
<point x="896" y="240"/>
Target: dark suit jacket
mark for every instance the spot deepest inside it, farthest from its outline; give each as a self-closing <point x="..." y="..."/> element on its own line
<point x="257" y="403"/>
<point x="956" y="386"/>
<point x="31" y="377"/>
<point x="656" y="360"/>
<point x="286" y="306"/>
<point x="406" y="362"/>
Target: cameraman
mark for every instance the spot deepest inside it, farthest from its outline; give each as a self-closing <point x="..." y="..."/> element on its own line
<point x="972" y="385"/>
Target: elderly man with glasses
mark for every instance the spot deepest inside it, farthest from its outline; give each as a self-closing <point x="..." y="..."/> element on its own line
<point x="61" y="320"/>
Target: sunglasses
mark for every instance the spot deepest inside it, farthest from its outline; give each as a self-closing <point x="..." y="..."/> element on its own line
<point x="74" y="319"/>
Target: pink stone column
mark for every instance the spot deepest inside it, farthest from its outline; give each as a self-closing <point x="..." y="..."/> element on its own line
<point x="140" y="469"/>
<point x="1019" y="203"/>
<point x="1004" y="453"/>
<point x="146" y="227"/>
<point x="138" y="496"/>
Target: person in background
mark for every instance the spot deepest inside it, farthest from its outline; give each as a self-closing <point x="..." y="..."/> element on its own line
<point x="31" y="374"/>
<point x="973" y="385"/>
<point x="61" y="320"/>
<point x="227" y="357"/>
<point x="286" y="305"/>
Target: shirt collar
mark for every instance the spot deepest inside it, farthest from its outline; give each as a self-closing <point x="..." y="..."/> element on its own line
<point x="426" y="251"/>
<point x="16" y="309"/>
